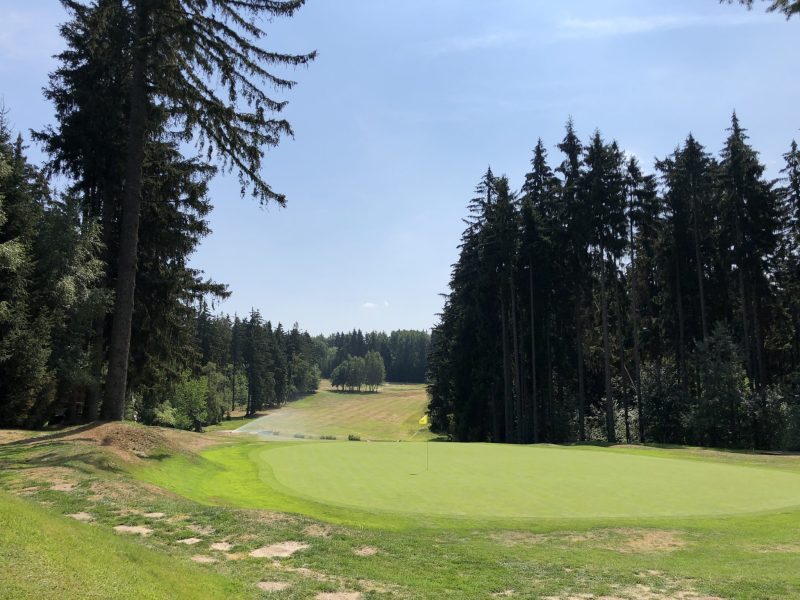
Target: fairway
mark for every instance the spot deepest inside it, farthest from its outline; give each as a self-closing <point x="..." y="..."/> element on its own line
<point x="393" y="413"/>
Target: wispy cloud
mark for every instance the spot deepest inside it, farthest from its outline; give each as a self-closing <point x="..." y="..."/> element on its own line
<point x="481" y="41"/>
<point x="625" y="25"/>
<point x="375" y="305"/>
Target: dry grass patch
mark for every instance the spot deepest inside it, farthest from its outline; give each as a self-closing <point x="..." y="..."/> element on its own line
<point x="365" y="551"/>
<point x="204" y="559"/>
<point x="189" y="541"/>
<point x="133" y="530"/>
<point x="279" y="550"/>
<point x="339" y="596"/>
<point x="273" y="586"/>
<point x="82" y="516"/>
<point x="317" y="531"/>
<point x="221" y="546"/>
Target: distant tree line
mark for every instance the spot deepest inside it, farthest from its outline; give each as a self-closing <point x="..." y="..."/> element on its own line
<point x="404" y="352"/>
<point x="603" y="303"/>
<point x="356" y="372"/>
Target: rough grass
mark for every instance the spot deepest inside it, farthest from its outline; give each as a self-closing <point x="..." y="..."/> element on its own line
<point x="44" y="555"/>
<point x="392" y="413"/>
<point x="749" y="556"/>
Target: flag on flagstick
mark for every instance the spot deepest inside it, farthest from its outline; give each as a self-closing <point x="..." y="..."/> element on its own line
<point x="424" y="420"/>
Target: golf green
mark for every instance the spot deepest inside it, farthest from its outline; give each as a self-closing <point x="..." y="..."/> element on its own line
<point x="499" y="481"/>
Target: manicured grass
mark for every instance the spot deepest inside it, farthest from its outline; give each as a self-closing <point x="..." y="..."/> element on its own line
<point x="487" y="482"/>
<point x="393" y="413"/>
<point x="382" y="554"/>
<point x="43" y="555"/>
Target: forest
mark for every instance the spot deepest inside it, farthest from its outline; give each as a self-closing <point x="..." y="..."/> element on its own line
<point x="604" y="303"/>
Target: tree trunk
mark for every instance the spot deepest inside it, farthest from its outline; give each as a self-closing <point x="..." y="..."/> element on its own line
<point x="534" y="395"/>
<point x="119" y="347"/>
<point x="681" y="325"/>
<point x="507" y="399"/>
<point x="621" y="342"/>
<point x="517" y="372"/>
<point x="610" y="433"/>
<point x="699" y="260"/>
<point x="92" y="409"/>
<point x="581" y="390"/>
<point x="637" y="359"/>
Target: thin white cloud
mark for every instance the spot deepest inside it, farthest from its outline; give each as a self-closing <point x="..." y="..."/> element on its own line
<point x="375" y="305"/>
<point x="482" y="41"/>
<point x="624" y="25"/>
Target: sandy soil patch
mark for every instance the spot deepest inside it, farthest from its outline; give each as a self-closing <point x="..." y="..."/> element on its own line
<point x="338" y="596"/>
<point x="504" y="594"/>
<point x="82" y="516"/>
<point x="655" y="540"/>
<point x="154" y="515"/>
<point x="317" y="531"/>
<point x="203" y="559"/>
<point x="620" y="540"/>
<point x="273" y="586"/>
<point x="365" y="551"/>
<point x="133" y="530"/>
<point x="133" y="442"/>
<point x="27" y="491"/>
<point x="221" y="546"/>
<point x="279" y="550"/>
<point x="189" y="541"/>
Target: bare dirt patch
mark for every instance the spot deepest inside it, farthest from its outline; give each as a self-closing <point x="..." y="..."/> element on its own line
<point x="365" y="551"/>
<point x="317" y="531"/>
<point x="133" y="530"/>
<point x="134" y="442"/>
<point x="279" y="550"/>
<point x="652" y="540"/>
<point x="203" y="559"/>
<point x="82" y="516"/>
<point x="221" y="546"/>
<point x="154" y="515"/>
<point x="630" y="540"/>
<point x="189" y="541"/>
<point x="504" y="594"/>
<point x="63" y="487"/>
<point x="273" y="586"/>
<point x="339" y="596"/>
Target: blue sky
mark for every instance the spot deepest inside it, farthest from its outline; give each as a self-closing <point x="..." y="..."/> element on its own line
<point x="410" y="100"/>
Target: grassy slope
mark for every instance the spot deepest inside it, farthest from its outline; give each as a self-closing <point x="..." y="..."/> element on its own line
<point x="743" y="557"/>
<point x="46" y="556"/>
<point x="391" y="414"/>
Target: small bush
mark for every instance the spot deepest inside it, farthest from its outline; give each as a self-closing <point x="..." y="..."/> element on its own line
<point x="354" y="438"/>
<point x="300" y="436"/>
<point x="327" y="437"/>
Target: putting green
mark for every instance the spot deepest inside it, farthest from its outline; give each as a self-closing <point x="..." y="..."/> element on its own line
<point x="498" y="481"/>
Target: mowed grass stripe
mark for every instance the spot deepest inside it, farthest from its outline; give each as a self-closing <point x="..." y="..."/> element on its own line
<point x="391" y="414"/>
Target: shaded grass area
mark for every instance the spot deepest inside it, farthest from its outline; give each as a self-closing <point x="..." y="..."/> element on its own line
<point x="746" y="556"/>
<point x="393" y="413"/>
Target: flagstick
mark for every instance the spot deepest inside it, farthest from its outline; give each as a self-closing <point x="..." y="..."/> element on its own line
<point x="427" y="455"/>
